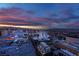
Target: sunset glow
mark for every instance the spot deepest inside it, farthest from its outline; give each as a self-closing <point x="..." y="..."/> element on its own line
<point x="26" y="27"/>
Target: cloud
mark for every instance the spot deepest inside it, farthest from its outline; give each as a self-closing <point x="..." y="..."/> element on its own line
<point x="19" y="16"/>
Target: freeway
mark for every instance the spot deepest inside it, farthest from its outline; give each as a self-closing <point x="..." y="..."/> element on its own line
<point x="18" y="49"/>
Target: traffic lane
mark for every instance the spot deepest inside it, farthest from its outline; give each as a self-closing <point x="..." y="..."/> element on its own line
<point x="25" y="49"/>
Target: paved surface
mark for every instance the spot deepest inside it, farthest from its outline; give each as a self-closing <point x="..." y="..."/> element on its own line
<point x="25" y="49"/>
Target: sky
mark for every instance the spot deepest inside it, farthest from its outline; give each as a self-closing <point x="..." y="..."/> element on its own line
<point x="52" y="15"/>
